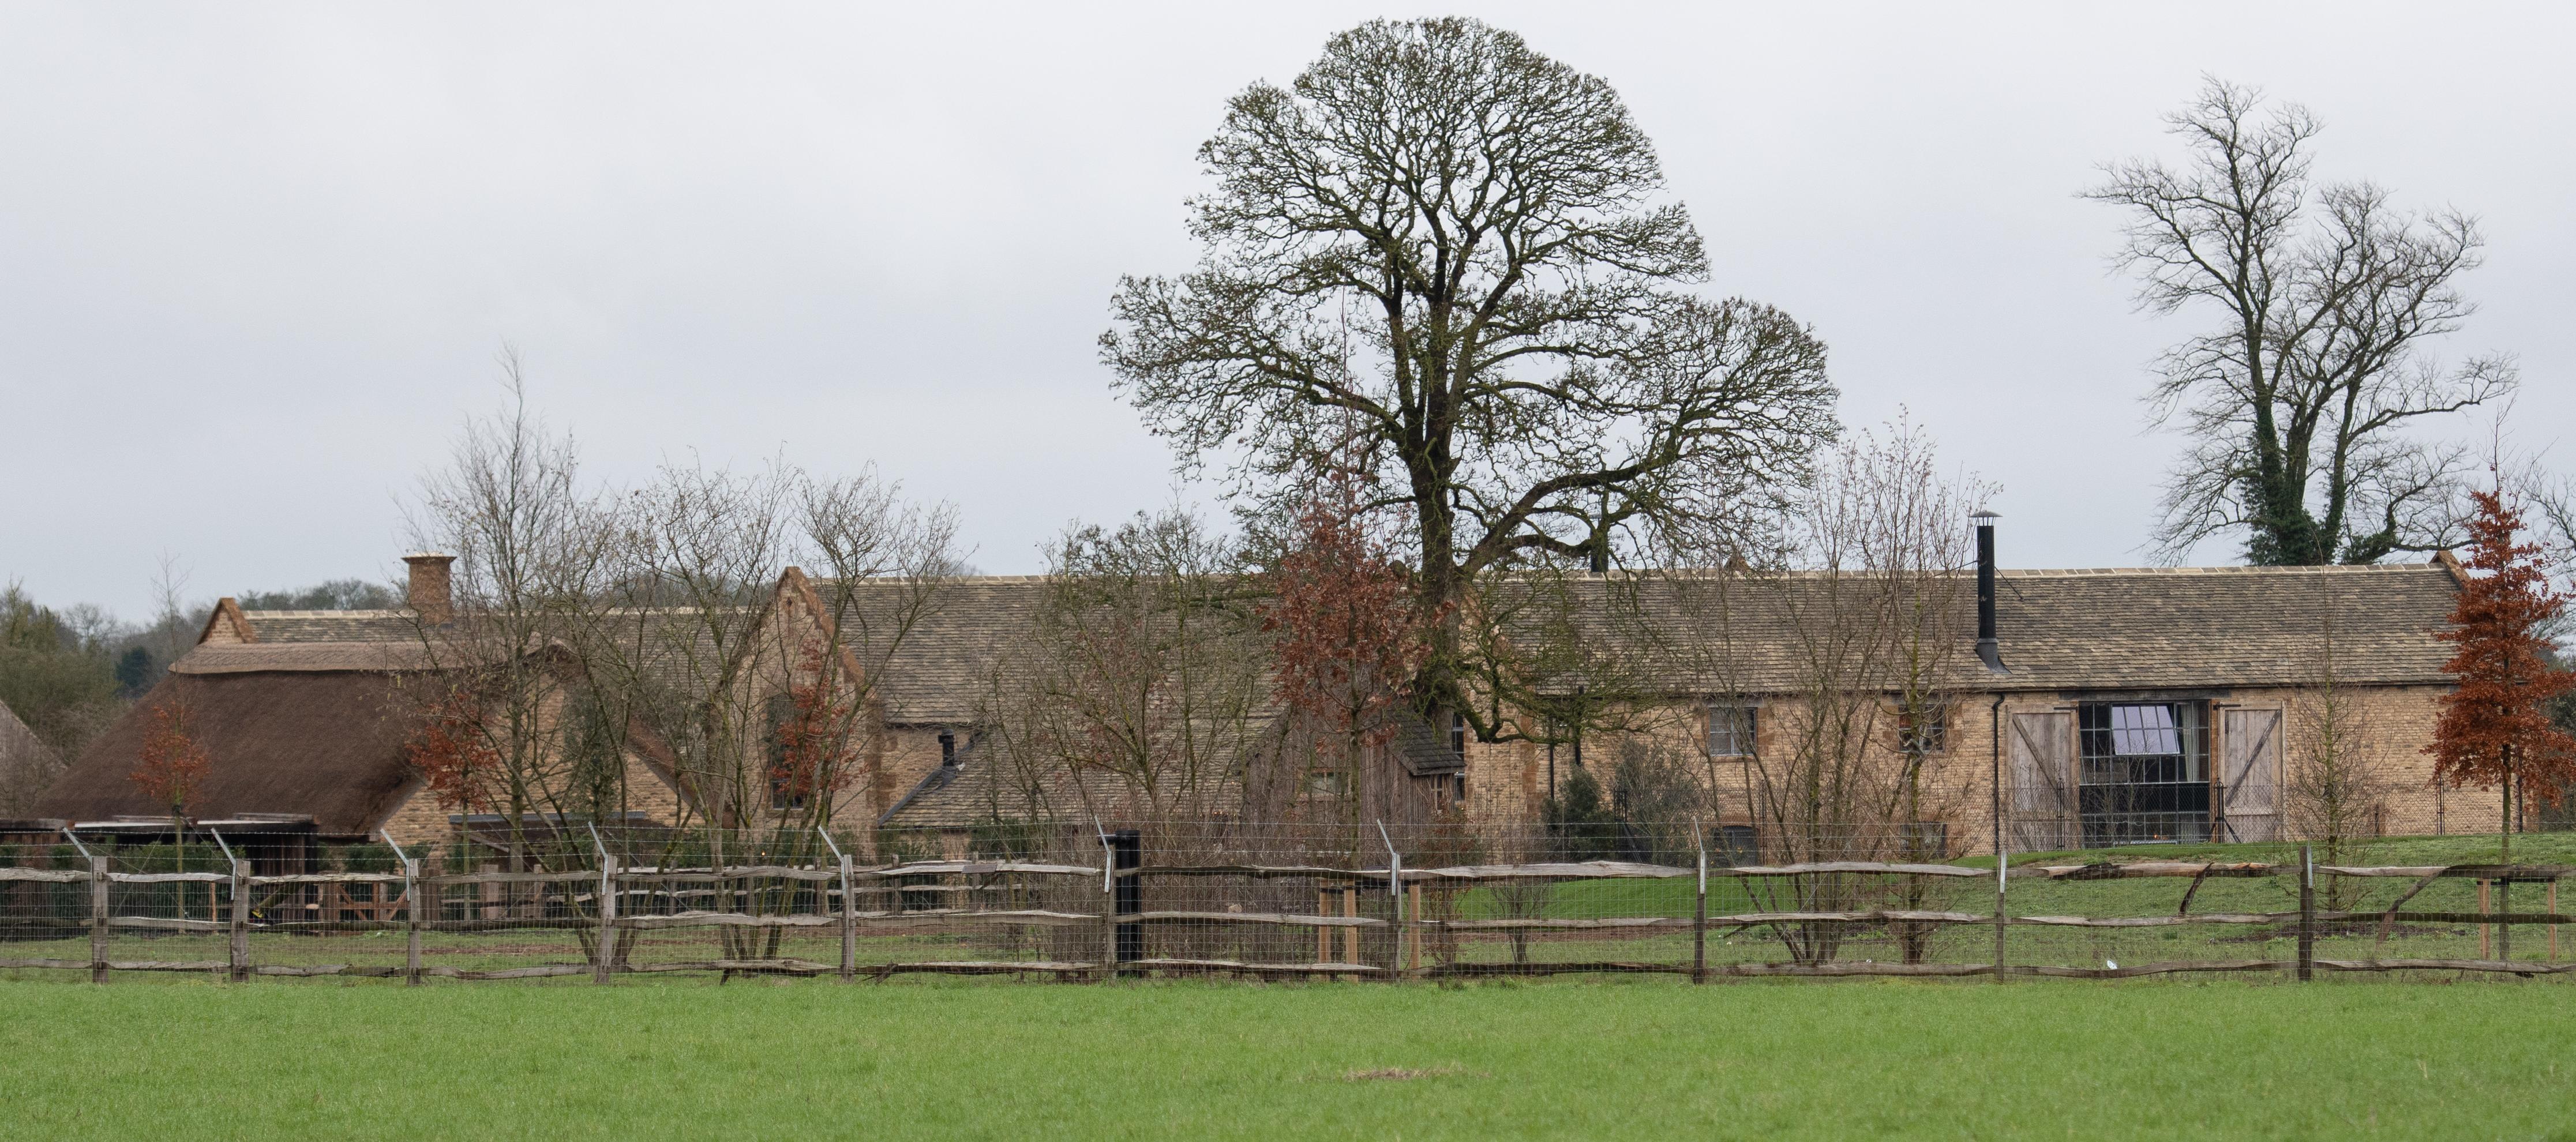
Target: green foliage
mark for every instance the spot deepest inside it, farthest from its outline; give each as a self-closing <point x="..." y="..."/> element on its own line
<point x="134" y="672"/>
<point x="371" y="857"/>
<point x="56" y="679"/>
<point x="335" y="595"/>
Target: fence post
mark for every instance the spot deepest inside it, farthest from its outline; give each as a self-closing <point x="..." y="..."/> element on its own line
<point x="239" y="952"/>
<point x="1413" y="946"/>
<point x="2307" y="913"/>
<point x="1699" y="912"/>
<point x="849" y="922"/>
<point x="2486" y="931"/>
<point x="1108" y="906"/>
<point x="607" y="964"/>
<point x="1350" y="932"/>
<point x="414" y="908"/>
<point x="1402" y="929"/>
<point x="2504" y="907"/>
<point x="98" y="919"/>
<point x="1323" y="934"/>
<point x="2003" y="872"/>
<point x="1127" y="895"/>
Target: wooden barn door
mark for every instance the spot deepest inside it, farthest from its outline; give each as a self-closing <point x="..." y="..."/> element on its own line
<point x="2249" y="775"/>
<point x="2043" y="780"/>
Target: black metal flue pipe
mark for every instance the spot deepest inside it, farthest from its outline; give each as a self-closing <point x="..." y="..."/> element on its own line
<point x="1989" y="650"/>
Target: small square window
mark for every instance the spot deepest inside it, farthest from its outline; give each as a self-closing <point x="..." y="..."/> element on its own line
<point x="1922" y="729"/>
<point x="1730" y="729"/>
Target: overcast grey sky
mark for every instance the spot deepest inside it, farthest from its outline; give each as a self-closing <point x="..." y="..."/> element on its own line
<point x="255" y="260"/>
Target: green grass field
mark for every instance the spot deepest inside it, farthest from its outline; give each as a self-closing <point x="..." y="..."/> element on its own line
<point x="1621" y="1058"/>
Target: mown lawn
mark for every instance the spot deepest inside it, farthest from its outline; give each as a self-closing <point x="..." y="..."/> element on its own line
<point x="1623" y="1058"/>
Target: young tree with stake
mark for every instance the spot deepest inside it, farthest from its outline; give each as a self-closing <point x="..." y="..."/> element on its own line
<point x="173" y="769"/>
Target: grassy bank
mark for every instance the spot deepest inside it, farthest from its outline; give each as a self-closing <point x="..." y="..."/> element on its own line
<point x="1223" y="1060"/>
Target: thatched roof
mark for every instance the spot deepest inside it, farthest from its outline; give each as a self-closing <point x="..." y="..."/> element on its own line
<point x="25" y="762"/>
<point x="312" y="729"/>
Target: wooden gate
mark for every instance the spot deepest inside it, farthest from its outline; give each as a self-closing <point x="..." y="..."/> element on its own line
<point x="2043" y="777"/>
<point x="2249" y="775"/>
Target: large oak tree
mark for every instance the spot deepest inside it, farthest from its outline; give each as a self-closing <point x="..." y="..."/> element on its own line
<point x="2302" y="398"/>
<point x="1451" y="257"/>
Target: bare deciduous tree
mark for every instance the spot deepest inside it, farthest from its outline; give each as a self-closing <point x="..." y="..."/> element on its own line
<point x="1145" y="673"/>
<point x="2299" y="403"/>
<point x="1457" y="249"/>
<point x="1863" y="640"/>
<point x="530" y="557"/>
<point x="2338" y="763"/>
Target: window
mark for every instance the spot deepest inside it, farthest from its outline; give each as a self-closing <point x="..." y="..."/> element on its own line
<point x="1458" y="734"/>
<point x="2144" y="772"/>
<point x="1922" y="728"/>
<point x="1730" y="729"/>
<point x="786" y="790"/>
<point x="1737" y="846"/>
<point x="1327" y="783"/>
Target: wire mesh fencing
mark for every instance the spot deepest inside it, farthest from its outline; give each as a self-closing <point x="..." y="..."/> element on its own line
<point x="1095" y="900"/>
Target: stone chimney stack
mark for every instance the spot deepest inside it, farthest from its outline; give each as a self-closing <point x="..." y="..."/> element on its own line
<point x="429" y="595"/>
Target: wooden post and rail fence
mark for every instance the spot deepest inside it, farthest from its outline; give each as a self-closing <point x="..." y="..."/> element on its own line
<point x="1122" y="918"/>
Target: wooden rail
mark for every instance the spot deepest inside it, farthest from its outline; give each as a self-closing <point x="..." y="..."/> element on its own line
<point x="601" y="901"/>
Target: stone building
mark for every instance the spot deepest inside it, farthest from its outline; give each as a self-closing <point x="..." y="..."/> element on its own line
<point x="2120" y="706"/>
<point x="307" y="716"/>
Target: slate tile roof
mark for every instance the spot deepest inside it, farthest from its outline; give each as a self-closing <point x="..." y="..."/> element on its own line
<point x="2111" y="629"/>
<point x="2125" y="629"/>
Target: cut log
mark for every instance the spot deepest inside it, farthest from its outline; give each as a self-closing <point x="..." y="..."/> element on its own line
<point x="2519" y="873"/>
<point x="1287" y="918"/>
<point x="1255" y="871"/>
<point x="977" y="967"/>
<point x="746" y="872"/>
<point x="2508" y="967"/>
<point x="380" y="877"/>
<point x="1222" y="966"/>
<point x="156" y="923"/>
<point x="1539" y="925"/>
<point x="722" y="919"/>
<point x="1864" y="866"/>
<point x="2107" y="870"/>
<point x="2173" y="968"/>
<point x="46" y="875"/>
<point x="573" y="877"/>
<point x="1454" y="970"/>
<point x="1877" y="917"/>
<point x="979" y="868"/>
<point x="943" y="917"/>
<point x="2156" y="921"/>
<point x="1584" y="870"/>
<point x="1850" y="969"/>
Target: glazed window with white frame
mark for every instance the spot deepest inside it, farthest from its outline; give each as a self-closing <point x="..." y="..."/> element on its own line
<point x="1731" y="727"/>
